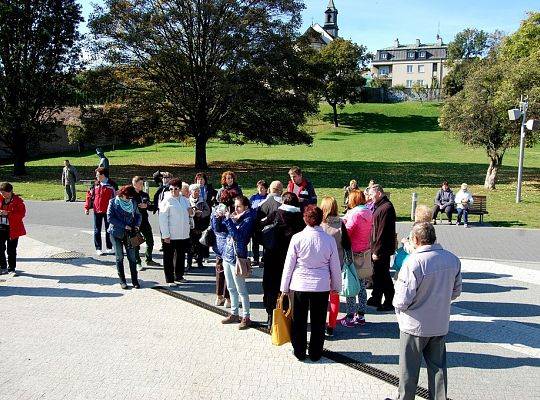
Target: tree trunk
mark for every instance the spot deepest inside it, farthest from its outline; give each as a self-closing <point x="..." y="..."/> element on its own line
<point x="334" y="108"/>
<point x="19" y="150"/>
<point x="495" y="162"/>
<point x="200" y="152"/>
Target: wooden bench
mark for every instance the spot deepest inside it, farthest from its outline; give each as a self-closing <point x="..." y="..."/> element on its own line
<point x="479" y="207"/>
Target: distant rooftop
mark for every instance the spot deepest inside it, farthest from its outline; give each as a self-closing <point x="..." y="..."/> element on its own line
<point x="414" y="46"/>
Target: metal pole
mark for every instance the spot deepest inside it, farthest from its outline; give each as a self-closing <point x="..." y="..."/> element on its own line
<point x="525" y="104"/>
<point x="414" y="202"/>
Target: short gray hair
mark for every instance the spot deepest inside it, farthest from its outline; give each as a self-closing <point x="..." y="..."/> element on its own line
<point x="377" y="188"/>
<point x="424" y="232"/>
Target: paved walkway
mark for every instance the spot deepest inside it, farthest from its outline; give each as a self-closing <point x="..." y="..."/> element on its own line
<point x="69" y="332"/>
<point x="494" y="340"/>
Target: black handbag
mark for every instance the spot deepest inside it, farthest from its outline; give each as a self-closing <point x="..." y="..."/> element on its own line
<point x="208" y="237"/>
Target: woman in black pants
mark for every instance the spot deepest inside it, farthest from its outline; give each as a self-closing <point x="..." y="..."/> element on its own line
<point x="312" y="270"/>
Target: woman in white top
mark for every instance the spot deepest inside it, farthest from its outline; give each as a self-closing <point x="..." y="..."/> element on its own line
<point x="174" y="226"/>
<point x="463" y="201"/>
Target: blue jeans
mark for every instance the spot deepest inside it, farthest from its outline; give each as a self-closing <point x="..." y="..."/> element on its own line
<point x="237" y="289"/>
<point x="465" y="213"/>
<point x="119" y="246"/>
<point x="99" y="218"/>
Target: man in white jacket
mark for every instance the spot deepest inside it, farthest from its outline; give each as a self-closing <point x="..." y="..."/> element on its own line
<point x="427" y="283"/>
<point x="174" y="226"/>
<point x="463" y="201"/>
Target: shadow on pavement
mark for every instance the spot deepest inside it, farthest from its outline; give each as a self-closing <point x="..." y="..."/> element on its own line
<point x="500" y="309"/>
<point x="474" y="287"/>
<point x="483" y="275"/>
<point x="52" y="292"/>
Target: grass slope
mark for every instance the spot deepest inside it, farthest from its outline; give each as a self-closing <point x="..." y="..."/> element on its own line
<point x="398" y="145"/>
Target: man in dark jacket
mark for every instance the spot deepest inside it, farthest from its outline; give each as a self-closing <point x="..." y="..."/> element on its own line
<point x="383" y="245"/>
<point x="272" y="201"/>
<point x="162" y="189"/>
<point x="444" y="201"/>
<point x="143" y="203"/>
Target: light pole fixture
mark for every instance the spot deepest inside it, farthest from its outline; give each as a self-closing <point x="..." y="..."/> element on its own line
<point x="514" y="115"/>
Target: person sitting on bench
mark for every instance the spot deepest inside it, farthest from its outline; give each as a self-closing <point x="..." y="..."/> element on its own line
<point x="444" y="202"/>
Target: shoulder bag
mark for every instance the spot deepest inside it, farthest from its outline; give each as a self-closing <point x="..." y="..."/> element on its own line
<point x="243" y="265"/>
<point x="208" y="237"/>
<point x="281" y="323"/>
<point x="350" y="287"/>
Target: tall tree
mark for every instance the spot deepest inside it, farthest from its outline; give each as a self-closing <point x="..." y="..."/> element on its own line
<point x="38" y="54"/>
<point x="478" y="116"/>
<point x="464" y="51"/>
<point x="469" y="43"/>
<point x="339" y="66"/>
<point x="213" y="68"/>
<point x="525" y="41"/>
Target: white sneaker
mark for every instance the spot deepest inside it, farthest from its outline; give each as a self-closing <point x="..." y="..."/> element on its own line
<point x="109" y="251"/>
<point x="99" y="252"/>
<point x="140" y="267"/>
<point x="466" y="225"/>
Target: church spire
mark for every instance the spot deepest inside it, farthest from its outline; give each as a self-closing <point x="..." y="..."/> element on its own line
<point x="330" y="20"/>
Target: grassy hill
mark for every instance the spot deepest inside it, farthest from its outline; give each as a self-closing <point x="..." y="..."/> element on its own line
<point x="398" y="145"/>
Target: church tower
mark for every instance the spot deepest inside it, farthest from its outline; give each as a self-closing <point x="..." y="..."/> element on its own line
<point x="330" y="20"/>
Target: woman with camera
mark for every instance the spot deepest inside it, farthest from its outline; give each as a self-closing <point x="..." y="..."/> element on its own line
<point x="124" y="222"/>
<point x="239" y="227"/>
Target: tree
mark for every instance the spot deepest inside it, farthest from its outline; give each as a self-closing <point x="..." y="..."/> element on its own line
<point x="212" y="68"/>
<point x="420" y="91"/>
<point x="469" y="43"/>
<point x="478" y="116"/>
<point x="525" y="41"/>
<point x="38" y="54"/>
<point x="467" y="47"/>
<point x="339" y="65"/>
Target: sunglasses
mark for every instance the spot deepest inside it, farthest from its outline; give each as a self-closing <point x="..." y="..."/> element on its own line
<point x="175" y="188"/>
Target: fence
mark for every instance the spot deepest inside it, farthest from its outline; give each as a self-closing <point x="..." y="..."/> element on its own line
<point x="392" y="95"/>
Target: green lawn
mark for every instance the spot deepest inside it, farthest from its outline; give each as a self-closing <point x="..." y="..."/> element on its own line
<point x="398" y="145"/>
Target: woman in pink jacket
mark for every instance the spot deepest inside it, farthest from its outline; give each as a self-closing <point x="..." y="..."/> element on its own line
<point x="358" y="224"/>
<point x="312" y="271"/>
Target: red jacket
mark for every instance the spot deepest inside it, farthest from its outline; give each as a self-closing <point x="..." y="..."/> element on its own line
<point x="16" y="212"/>
<point x="98" y="198"/>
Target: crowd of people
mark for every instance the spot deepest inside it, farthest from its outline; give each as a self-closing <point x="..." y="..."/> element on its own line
<point x="304" y="249"/>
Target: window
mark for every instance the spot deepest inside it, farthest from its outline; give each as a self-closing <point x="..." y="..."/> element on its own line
<point x="329" y="19"/>
<point x="409" y="69"/>
<point x="434" y="67"/>
<point x="383" y="56"/>
<point x="409" y="83"/>
<point x="384" y="70"/>
<point x="421" y="69"/>
<point x="422" y="54"/>
<point x="420" y="82"/>
<point x="411" y="55"/>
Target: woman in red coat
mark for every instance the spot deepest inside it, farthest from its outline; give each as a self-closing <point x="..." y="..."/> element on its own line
<point x="12" y="212"/>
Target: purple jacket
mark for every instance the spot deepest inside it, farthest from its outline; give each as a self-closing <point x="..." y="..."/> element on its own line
<point x="312" y="262"/>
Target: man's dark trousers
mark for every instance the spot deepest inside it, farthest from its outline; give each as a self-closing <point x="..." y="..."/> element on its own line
<point x="382" y="281"/>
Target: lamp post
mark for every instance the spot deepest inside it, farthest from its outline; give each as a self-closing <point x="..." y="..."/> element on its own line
<point x="514" y="115"/>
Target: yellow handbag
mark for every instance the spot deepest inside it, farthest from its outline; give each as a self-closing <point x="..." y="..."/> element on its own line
<point x="281" y="324"/>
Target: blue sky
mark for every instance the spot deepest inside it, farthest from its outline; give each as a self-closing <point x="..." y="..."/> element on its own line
<point x="376" y="23"/>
